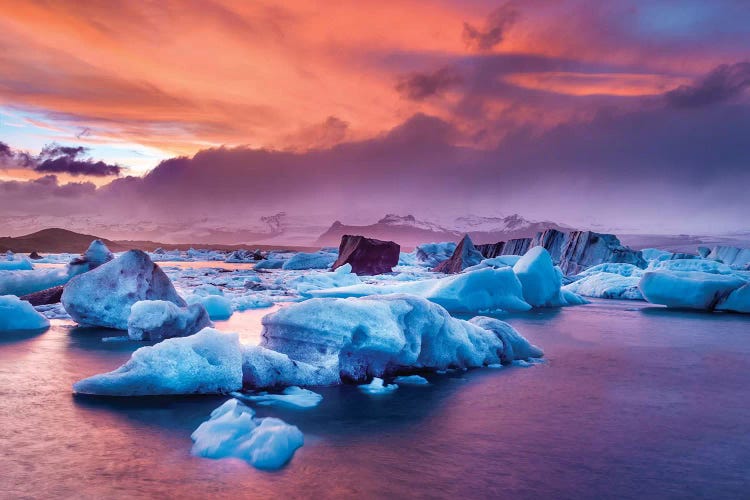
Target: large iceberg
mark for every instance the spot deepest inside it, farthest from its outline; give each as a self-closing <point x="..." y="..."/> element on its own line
<point x="688" y="289"/>
<point x="209" y="362"/>
<point x="233" y="432"/>
<point x="103" y="297"/>
<point x="360" y="338"/>
<point x="16" y="314"/>
<point x="156" y="320"/>
<point x="485" y="289"/>
<point x="541" y="280"/>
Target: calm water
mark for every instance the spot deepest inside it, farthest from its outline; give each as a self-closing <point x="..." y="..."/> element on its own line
<point x="634" y="401"/>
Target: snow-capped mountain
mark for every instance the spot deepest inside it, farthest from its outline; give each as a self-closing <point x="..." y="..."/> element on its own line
<point x="409" y="231"/>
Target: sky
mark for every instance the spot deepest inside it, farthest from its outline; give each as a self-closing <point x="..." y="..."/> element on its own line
<point x="622" y="115"/>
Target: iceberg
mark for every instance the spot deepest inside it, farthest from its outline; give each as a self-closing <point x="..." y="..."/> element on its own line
<point x="540" y="279"/>
<point x="27" y="282"/>
<point x="343" y="276"/>
<point x="265" y="368"/>
<point x="314" y="260"/>
<point x="233" y="432"/>
<point x="607" y="285"/>
<point x="358" y="338"/>
<point x="700" y="265"/>
<point x="218" y="306"/>
<point x="209" y="362"/>
<point x="688" y="289"/>
<point x="17" y="314"/>
<point x="737" y="301"/>
<point x="470" y="292"/>
<point x="13" y="262"/>
<point x="432" y="254"/>
<point x="104" y="296"/>
<point x="156" y="320"/>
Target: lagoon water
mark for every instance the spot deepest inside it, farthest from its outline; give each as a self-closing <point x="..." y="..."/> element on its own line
<point x="634" y="401"/>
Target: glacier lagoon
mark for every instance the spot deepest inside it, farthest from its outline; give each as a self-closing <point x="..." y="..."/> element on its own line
<point x="633" y="400"/>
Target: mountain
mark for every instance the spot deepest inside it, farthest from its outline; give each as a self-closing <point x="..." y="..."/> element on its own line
<point x="56" y="240"/>
<point x="404" y="230"/>
<point x="410" y="232"/>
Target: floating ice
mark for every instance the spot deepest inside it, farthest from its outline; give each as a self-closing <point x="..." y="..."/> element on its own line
<point x="291" y="397"/>
<point x="737" y="301"/>
<point x="314" y="260"/>
<point x="432" y="254"/>
<point x="356" y="338"/>
<point x="411" y="380"/>
<point x="482" y="290"/>
<point x="103" y="296"/>
<point x="688" y="289"/>
<point x="377" y="387"/>
<point x="232" y="432"/>
<point x="159" y="319"/>
<point x="342" y="276"/>
<point x="218" y="306"/>
<point x="16" y="314"/>
<point x="26" y="282"/>
<point x="263" y="367"/>
<point x="209" y="362"/>
<point x="702" y="265"/>
<point x="607" y="286"/>
<point x="539" y="278"/>
<point x="13" y="262"/>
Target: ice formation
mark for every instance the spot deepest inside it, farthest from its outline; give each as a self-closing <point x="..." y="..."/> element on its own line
<point x="17" y="314"/>
<point x="13" y="262"/>
<point x="103" y="296"/>
<point x="689" y="289"/>
<point x="308" y="282"/>
<point x="482" y="290"/>
<point x="377" y="387"/>
<point x="356" y="338"/>
<point x="411" y="380"/>
<point x="218" y="306"/>
<point x="432" y="254"/>
<point x="291" y="397"/>
<point x="314" y="260"/>
<point x="233" y="432"/>
<point x="156" y="320"/>
<point x="209" y="362"/>
<point x="606" y="285"/>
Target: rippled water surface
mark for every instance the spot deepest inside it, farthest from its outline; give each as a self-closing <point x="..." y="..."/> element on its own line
<point x="633" y="401"/>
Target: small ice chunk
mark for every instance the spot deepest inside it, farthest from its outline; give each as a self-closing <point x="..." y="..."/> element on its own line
<point x="377" y="387"/>
<point x="233" y="432"/>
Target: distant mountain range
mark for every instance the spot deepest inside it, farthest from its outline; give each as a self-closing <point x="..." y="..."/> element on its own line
<point x="410" y="232"/>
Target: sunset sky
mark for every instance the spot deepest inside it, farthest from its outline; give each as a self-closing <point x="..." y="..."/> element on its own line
<point x="619" y="114"/>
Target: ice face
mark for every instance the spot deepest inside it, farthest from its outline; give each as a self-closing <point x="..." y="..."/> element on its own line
<point x="233" y="432"/>
<point x="540" y="280"/>
<point x="16" y="314"/>
<point x="209" y="362"/>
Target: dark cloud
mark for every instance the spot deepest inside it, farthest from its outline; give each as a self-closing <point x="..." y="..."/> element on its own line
<point x="724" y="83"/>
<point x="55" y="158"/>
<point x="420" y="86"/>
<point x="5" y="151"/>
<point x="495" y="28"/>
